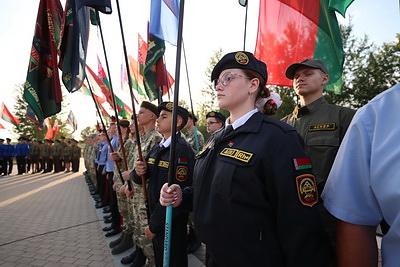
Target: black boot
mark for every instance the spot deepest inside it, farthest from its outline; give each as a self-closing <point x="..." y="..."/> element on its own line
<point x="140" y="258"/>
<point x="125" y="244"/>
<point x="193" y="243"/>
<point x="130" y="258"/>
<point x="115" y="243"/>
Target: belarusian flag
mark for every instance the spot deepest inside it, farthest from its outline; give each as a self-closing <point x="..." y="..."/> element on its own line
<point x="122" y="108"/>
<point x="290" y="31"/>
<point x="6" y="115"/>
<point x="99" y="100"/>
<point x="136" y="76"/>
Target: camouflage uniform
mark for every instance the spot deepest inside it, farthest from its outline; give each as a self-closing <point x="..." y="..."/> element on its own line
<point x="92" y="151"/>
<point x="190" y="138"/>
<point x="140" y="219"/>
<point x="123" y="207"/>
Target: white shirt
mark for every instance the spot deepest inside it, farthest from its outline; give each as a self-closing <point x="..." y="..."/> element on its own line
<point x="242" y="120"/>
<point x="363" y="186"/>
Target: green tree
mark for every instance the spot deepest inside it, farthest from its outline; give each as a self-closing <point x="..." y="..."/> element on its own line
<point x="88" y="131"/>
<point x="27" y="127"/>
<point x="368" y="69"/>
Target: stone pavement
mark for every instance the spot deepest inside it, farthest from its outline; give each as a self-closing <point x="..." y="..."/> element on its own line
<point x="50" y="220"/>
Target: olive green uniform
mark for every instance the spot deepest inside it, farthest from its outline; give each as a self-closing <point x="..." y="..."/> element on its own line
<point x="322" y="127"/>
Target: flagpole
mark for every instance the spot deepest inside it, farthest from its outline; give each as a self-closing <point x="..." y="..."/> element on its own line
<point x="171" y="170"/>
<point x="115" y="105"/>
<point x="245" y="27"/>
<point x="137" y="135"/>
<point x="104" y="127"/>
<point x="196" y="138"/>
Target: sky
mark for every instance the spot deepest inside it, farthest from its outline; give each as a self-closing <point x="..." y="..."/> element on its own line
<point x="209" y="25"/>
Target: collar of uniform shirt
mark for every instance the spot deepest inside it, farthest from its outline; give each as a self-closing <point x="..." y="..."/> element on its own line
<point x="166" y="143"/>
<point x="242" y="120"/>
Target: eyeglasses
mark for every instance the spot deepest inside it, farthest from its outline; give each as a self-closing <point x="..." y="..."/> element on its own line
<point x="226" y="78"/>
<point x="211" y="122"/>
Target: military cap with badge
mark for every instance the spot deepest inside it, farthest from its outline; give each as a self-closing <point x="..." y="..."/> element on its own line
<point x="217" y="115"/>
<point x="169" y="106"/>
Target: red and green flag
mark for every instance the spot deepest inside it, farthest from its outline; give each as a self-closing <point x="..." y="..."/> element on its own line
<point x="123" y="109"/>
<point x="6" y="115"/>
<point x="99" y="100"/>
<point x="136" y="77"/>
<point x="42" y="90"/>
<point x="290" y="31"/>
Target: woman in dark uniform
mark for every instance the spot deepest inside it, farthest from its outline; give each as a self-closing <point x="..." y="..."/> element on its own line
<point x="254" y="194"/>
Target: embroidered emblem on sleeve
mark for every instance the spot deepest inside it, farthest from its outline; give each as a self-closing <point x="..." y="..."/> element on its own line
<point x="181" y="173"/>
<point x="307" y="189"/>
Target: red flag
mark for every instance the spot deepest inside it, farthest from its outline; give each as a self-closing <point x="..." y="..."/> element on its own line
<point x="1" y="126"/>
<point x="290" y="31"/>
<point x="55" y="129"/>
<point x="163" y="78"/>
<point x="142" y="51"/>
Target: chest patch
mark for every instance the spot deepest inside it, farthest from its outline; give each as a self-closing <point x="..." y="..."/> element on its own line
<point x="163" y="164"/>
<point x="307" y="190"/>
<point x="330" y="126"/>
<point x="236" y="154"/>
<point x="151" y="161"/>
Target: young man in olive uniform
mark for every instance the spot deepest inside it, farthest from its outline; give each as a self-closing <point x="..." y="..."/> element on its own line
<point x="321" y="125"/>
<point x="155" y="168"/>
<point x="75" y="156"/>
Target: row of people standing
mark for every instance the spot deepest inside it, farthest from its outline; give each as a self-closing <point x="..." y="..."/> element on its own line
<point x="35" y="156"/>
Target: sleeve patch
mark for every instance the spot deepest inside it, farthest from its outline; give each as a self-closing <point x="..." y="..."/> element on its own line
<point x="181" y="173"/>
<point x="307" y="189"/>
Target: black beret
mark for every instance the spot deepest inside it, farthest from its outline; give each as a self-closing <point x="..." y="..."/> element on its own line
<point x="124" y="123"/>
<point x="1" y="140"/>
<point x="309" y="63"/>
<point x="193" y="117"/>
<point x="217" y="115"/>
<point x="240" y="60"/>
<point x="8" y="139"/>
<point x="169" y="106"/>
<point x="153" y="108"/>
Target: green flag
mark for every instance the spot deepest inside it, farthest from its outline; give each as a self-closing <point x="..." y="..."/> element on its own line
<point x="340" y="5"/>
<point x="155" y="50"/>
<point x="42" y="90"/>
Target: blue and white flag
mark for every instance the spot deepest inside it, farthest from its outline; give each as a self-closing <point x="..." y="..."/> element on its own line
<point x="164" y="17"/>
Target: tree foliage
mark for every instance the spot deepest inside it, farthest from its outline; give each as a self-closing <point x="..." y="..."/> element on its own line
<point x="28" y="128"/>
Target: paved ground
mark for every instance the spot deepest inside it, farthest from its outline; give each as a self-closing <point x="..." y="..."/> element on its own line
<point x="50" y="220"/>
